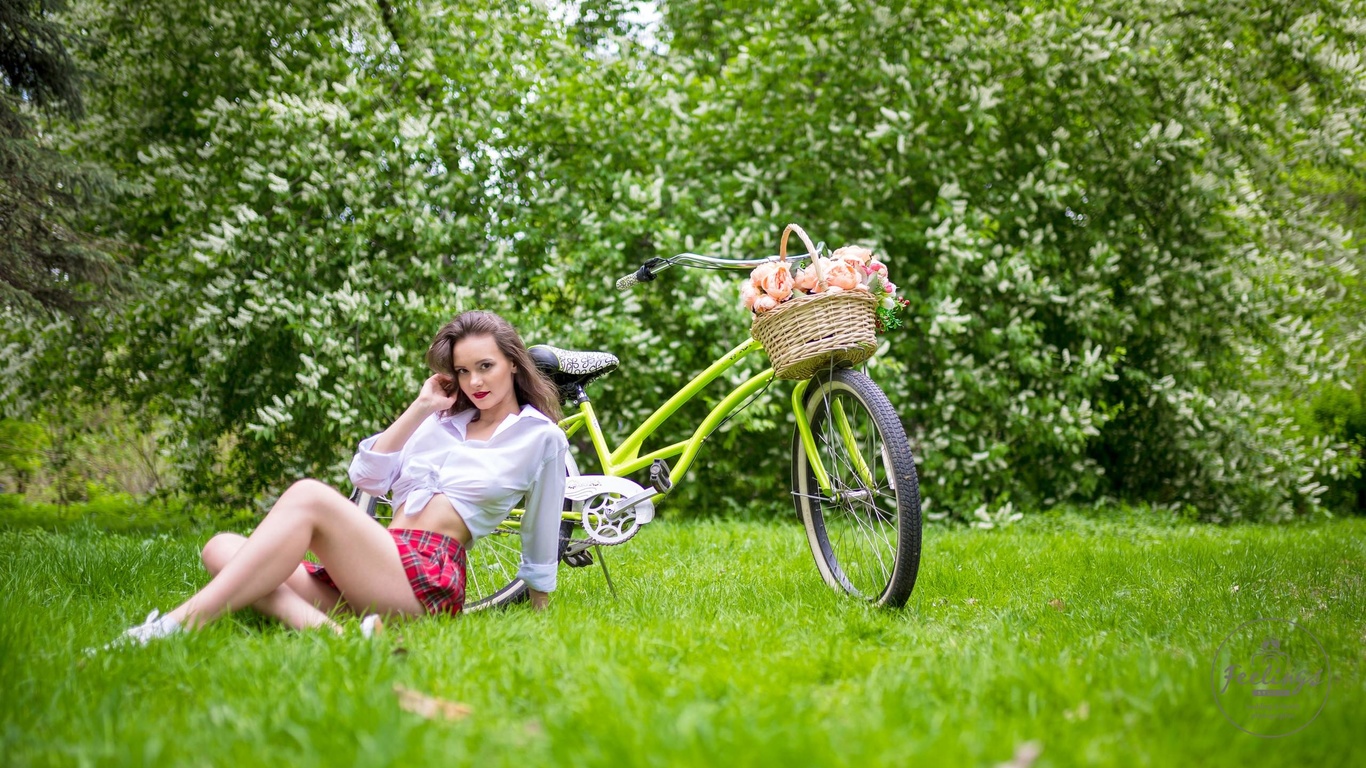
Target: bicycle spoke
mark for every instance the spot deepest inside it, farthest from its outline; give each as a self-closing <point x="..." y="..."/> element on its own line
<point x="857" y="572"/>
<point x="867" y="532"/>
<point x="831" y="438"/>
<point x="875" y="530"/>
<point x="493" y="566"/>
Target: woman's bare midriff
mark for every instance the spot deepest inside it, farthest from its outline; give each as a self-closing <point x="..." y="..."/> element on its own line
<point x="438" y="516"/>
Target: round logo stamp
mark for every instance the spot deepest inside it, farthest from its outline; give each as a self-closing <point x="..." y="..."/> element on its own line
<point x="1271" y="677"/>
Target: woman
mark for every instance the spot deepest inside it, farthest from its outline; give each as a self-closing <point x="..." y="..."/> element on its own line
<point x="481" y="436"/>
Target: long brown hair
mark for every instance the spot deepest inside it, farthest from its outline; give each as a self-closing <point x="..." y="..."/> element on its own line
<point x="528" y="383"/>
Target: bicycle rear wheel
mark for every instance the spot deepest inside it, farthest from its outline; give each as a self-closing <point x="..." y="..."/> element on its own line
<point x="491" y="564"/>
<point x="865" y="535"/>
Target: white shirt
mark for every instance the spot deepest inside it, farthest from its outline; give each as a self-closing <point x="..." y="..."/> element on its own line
<point x="482" y="479"/>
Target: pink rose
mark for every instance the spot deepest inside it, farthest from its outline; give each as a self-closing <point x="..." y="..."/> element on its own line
<point x="876" y="267"/>
<point x="855" y="253"/>
<point x="841" y="274"/>
<point x="765" y="303"/>
<point x="773" y="278"/>
<point x="748" y="294"/>
<point x="806" y="280"/>
<point x="889" y="287"/>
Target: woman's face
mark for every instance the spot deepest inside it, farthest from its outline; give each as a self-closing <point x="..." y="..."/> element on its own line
<point x="485" y="375"/>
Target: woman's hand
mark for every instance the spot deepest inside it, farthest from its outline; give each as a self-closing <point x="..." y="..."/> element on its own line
<point x="431" y="399"/>
<point x="539" y="599"/>
<point x="438" y="393"/>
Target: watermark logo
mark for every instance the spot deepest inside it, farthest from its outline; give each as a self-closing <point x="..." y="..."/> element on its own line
<point x="1271" y="677"/>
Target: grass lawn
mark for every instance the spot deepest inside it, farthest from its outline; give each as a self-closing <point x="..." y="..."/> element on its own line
<point x="1092" y="641"/>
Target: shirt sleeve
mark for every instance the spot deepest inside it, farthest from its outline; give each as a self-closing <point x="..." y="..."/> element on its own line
<point x="541" y="524"/>
<point x="374" y="472"/>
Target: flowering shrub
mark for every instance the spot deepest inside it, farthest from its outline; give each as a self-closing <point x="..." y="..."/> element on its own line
<point x="1101" y="223"/>
<point x="851" y="268"/>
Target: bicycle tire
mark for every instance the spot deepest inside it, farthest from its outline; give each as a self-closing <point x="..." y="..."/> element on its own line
<point x="851" y="535"/>
<point x="493" y="562"/>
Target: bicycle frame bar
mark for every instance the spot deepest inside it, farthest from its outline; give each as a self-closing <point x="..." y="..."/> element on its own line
<point x="626" y="458"/>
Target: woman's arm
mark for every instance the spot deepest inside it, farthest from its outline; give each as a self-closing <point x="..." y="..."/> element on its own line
<point x="431" y="399"/>
<point x="375" y="467"/>
<point x="541" y="527"/>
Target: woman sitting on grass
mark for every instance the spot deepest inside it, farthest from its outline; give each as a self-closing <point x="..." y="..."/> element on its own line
<point x="481" y="435"/>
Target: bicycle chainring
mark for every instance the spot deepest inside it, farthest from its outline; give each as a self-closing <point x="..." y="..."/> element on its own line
<point x="604" y="523"/>
<point x="606" y="516"/>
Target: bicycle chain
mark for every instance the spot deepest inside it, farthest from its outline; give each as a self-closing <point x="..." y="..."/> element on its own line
<point x="575" y="556"/>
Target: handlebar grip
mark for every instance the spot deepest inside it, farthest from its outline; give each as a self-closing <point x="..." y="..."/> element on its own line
<point x="643" y="275"/>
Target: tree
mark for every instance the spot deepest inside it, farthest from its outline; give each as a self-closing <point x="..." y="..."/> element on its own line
<point x="47" y="259"/>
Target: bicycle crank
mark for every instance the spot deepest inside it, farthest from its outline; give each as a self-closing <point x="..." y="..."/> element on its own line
<point x="614" y="508"/>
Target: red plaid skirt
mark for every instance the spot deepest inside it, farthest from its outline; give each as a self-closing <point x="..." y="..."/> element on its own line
<point x="435" y="565"/>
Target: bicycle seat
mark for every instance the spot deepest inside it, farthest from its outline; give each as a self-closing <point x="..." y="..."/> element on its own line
<point x="571" y="370"/>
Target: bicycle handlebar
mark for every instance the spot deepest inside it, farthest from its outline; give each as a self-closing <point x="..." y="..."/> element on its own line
<point x="654" y="266"/>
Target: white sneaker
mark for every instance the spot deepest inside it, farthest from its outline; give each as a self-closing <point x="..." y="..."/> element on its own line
<point x="154" y="627"/>
<point x="371" y="625"/>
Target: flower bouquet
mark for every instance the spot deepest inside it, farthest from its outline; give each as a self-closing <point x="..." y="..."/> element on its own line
<point x="825" y="314"/>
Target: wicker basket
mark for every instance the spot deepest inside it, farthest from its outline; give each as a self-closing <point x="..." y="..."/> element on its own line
<point x="809" y="333"/>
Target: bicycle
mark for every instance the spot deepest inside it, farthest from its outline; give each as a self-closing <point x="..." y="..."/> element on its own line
<point x="853" y="475"/>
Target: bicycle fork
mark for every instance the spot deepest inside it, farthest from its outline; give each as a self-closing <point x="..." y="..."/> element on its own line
<point x="839" y="420"/>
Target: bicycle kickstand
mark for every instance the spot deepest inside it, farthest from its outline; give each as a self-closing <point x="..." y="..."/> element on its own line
<point x="605" y="574"/>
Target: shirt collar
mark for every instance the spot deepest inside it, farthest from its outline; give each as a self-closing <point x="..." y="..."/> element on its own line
<point x="461" y="421"/>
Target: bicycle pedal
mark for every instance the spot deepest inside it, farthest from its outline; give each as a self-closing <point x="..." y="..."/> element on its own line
<point x="659" y="476"/>
<point x="579" y="559"/>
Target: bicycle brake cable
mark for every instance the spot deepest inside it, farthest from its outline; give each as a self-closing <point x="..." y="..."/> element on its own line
<point x="745" y="405"/>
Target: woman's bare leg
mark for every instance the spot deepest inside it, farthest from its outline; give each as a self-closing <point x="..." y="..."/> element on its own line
<point x="302" y="602"/>
<point x="358" y="553"/>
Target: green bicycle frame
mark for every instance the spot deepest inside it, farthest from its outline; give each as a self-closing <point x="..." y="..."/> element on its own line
<point x="626" y="459"/>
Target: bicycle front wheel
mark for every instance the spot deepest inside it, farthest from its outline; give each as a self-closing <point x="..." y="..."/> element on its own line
<point x="864" y="533"/>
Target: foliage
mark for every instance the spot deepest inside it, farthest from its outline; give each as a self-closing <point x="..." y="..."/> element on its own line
<point x="83" y="450"/>
<point x="97" y="448"/>
<point x="1116" y="286"/>
<point x="1116" y="290"/>
<point x="1342" y="413"/>
<point x="33" y="58"/>
<point x="21" y="451"/>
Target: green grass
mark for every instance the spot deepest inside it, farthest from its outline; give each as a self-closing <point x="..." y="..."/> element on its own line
<point x="118" y="513"/>
<point x="723" y="647"/>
